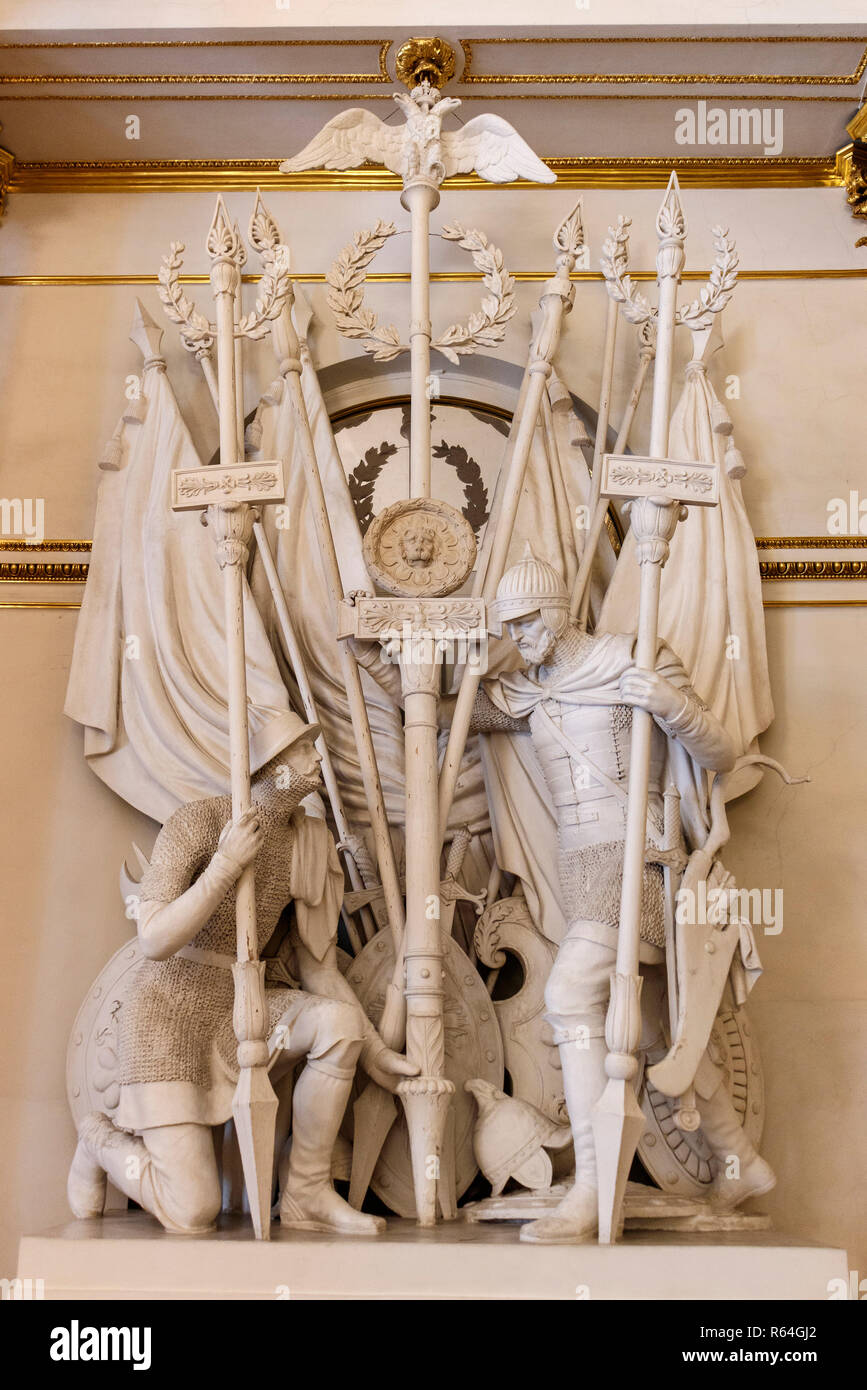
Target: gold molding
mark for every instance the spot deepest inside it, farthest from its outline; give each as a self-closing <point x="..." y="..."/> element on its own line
<point x="42" y="572"/>
<point x="381" y="76"/>
<point x="580" y="172"/>
<point x="766" y="603"/>
<point x="61" y="545"/>
<point x="397" y="277"/>
<point x="773" y="571"/>
<point x="625" y="95"/>
<point x="672" y="79"/>
<point x="193" y="43"/>
<point x="7" y="165"/>
<point x="811" y="542"/>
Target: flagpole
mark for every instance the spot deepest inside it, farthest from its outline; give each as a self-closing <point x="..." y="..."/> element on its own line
<point x="254" y="1106"/>
<point x="659" y="490"/>
<point x="556" y="300"/>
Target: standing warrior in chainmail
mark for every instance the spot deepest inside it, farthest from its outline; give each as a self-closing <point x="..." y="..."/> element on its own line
<point x="178" y="1066"/>
<point x="575" y="699"/>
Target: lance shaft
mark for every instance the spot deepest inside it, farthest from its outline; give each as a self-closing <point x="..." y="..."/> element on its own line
<point x="598" y="508"/>
<point x="618" y="1121"/>
<point x="287" y="349"/>
<point x="556" y="300"/>
<point x="296" y="657"/>
<point x="254" y="1104"/>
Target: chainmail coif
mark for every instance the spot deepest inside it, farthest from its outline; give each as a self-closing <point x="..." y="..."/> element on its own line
<point x="178" y="1008"/>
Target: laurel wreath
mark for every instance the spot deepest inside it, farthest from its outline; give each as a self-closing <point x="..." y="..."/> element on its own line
<point x="614" y="261"/>
<point x="637" y="309"/>
<point x="721" y="283"/>
<point x="362" y="482"/>
<point x="487" y="326"/>
<point x="469" y="473"/>
<point x="346" y="295"/>
<point x="197" y="334"/>
<point x="354" y="319"/>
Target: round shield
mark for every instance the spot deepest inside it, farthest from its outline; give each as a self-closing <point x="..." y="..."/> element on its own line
<point x="680" y="1161"/>
<point x="91" y="1055"/>
<point x="473" y="1048"/>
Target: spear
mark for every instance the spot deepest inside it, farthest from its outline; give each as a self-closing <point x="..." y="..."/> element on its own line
<point x="660" y="489"/>
<point x="287" y="628"/>
<point x="556" y="300"/>
<point x="221" y="491"/>
<point x="580" y="605"/>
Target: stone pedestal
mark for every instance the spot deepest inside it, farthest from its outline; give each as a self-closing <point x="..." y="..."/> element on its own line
<point x="130" y="1256"/>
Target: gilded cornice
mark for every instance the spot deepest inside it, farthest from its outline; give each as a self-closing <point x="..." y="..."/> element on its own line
<point x="472" y="46"/>
<point x="581" y="172"/>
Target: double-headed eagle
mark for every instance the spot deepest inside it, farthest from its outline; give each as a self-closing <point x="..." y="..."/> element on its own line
<point x="420" y="148"/>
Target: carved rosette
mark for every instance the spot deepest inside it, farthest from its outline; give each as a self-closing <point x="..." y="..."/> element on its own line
<point x="420" y="547"/>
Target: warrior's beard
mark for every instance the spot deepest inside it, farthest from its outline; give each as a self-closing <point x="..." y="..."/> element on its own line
<point x="537" y="653"/>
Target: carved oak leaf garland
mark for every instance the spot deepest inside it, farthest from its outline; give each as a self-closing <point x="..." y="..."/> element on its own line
<point x="488" y="325"/>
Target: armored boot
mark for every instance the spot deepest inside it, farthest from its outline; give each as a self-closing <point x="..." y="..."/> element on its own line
<point x="308" y="1201"/>
<point x="87" y="1181"/>
<point x="576" y="1217"/>
<point x="723" y="1131"/>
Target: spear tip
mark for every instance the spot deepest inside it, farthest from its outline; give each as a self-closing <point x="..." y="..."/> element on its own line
<point x="145" y="333"/>
<point x="569" y="236"/>
<point x="264" y="232"/>
<point x="670" y="221"/>
<point x="223" y="237"/>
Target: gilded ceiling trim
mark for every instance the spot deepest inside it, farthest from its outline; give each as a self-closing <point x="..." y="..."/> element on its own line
<point x="401" y="277"/>
<point x="625" y="95"/>
<point x="811" y="542"/>
<point x="775" y="570"/>
<point x="199" y="43"/>
<point x="66" y="545"/>
<point x="470" y="46"/>
<point x="766" y="603"/>
<point x="582" y="172"/>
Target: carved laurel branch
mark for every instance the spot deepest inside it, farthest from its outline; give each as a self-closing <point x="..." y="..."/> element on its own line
<point x="346" y="296"/>
<point x="488" y="325"/>
<point x="274" y="286"/>
<point x="197" y="334"/>
<point x="721" y="283"/>
<point x="637" y="309"/>
<point x="614" y="261"/>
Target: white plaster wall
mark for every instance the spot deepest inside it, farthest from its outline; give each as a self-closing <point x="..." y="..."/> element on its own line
<point x="797" y="347"/>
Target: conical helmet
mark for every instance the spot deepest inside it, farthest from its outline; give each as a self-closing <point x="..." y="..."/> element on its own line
<point x="531" y="586"/>
<point x="510" y="1138"/>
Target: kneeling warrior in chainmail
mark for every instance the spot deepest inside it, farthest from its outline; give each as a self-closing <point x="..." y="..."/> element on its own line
<point x="575" y="700"/>
<point x="178" y="1066"/>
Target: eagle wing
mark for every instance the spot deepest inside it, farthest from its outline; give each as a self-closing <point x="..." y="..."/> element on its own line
<point x="495" y="150"/>
<point x="348" y="141"/>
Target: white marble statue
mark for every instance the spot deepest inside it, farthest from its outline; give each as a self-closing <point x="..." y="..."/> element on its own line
<point x="575" y="700"/>
<point x="177" y="1053"/>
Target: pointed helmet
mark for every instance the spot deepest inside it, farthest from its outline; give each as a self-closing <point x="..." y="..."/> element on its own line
<point x="531" y="586"/>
